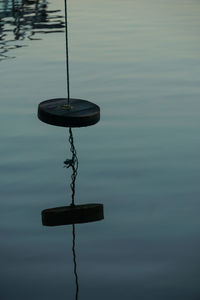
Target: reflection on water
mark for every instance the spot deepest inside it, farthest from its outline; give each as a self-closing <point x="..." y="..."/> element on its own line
<point x="73" y="213"/>
<point x="139" y="60"/>
<point x="74" y="260"/>
<point x="24" y="19"/>
<point x="73" y="209"/>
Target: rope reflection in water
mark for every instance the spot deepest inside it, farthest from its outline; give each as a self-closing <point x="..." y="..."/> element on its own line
<point x="74" y="260"/>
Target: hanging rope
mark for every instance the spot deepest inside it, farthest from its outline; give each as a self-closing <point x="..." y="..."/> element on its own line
<point x="73" y="163"/>
<point x="67" y="52"/>
<point x="74" y="260"/>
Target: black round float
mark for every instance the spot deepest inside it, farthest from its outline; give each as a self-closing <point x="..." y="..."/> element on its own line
<point x="67" y="215"/>
<point x="78" y="113"/>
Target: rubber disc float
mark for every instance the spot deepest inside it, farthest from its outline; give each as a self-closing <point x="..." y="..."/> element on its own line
<point x="78" y="113"/>
<point x="76" y="214"/>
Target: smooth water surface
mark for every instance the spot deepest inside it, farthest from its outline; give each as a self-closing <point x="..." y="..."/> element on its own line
<point x="139" y="61"/>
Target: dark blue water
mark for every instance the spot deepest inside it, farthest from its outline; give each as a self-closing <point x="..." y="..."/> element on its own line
<point x="140" y="62"/>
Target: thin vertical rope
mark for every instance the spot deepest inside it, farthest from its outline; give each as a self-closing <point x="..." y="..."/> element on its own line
<point x="67" y="52"/>
<point x="74" y="259"/>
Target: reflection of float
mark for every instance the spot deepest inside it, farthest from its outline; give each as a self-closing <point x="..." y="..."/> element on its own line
<point x="75" y="214"/>
<point x="70" y="112"/>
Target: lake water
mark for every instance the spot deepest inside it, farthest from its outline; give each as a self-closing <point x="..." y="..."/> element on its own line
<point x="140" y="62"/>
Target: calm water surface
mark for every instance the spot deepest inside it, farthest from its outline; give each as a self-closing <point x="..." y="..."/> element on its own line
<point x="139" y="60"/>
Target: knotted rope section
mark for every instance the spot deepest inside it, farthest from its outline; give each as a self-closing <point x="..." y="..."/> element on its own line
<point x="73" y="163"/>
